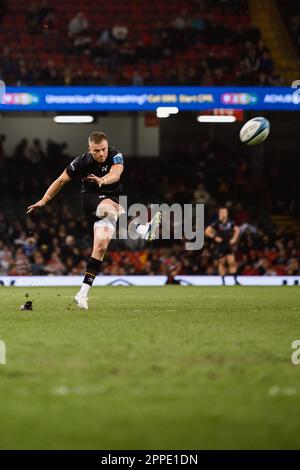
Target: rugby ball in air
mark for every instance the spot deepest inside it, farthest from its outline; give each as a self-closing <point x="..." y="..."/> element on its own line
<point x="255" y="131"/>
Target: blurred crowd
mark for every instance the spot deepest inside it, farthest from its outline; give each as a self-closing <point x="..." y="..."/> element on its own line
<point x="194" y="46"/>
<point x="63" y="247"/>
<point x="290" y="10"/>
<point x="58" y="239"/>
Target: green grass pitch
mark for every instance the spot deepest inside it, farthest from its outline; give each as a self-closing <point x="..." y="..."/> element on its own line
<point x="150" y="368"/>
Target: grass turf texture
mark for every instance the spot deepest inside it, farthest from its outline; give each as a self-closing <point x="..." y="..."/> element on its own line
<point x="155" y="368"/>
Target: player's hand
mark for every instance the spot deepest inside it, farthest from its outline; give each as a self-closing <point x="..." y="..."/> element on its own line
<point x="218" y="239"/>
<point x="38" y="204"/>
<point x="95" y="179"/>
<point x="232" y="241"/>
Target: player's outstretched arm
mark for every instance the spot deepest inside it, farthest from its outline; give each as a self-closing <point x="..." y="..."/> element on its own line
<point x="53" y="189"/>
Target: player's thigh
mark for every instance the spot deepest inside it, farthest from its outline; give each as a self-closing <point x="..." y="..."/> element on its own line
<point x="109" y="207"/>
<point x="230" y="260"/>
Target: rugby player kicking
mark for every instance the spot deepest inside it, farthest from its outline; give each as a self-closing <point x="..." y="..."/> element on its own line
<point x="100" y="170"/>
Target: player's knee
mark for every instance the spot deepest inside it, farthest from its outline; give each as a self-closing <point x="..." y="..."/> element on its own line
<point x="109" y="210"/>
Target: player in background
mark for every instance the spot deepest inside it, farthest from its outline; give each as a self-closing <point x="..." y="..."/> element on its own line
<point x="100" y="170"/>
<point x="225" y="234"/>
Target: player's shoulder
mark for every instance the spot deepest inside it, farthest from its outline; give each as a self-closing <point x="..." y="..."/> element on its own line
<point x="83" y="159"/>
<point x="78" y="163"/>
<point x="113" y="151"/>
<point x="86" y="157"/>
<point x="115" y="155"/>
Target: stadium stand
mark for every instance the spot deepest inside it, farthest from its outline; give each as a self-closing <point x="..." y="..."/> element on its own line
<point x="290" y="11"/>
<point x="269" y="18"/>
<point x="130" y="43"/>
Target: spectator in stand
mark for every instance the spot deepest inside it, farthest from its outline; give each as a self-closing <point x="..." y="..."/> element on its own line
<point x="6" y="259"/>
<point x="293" y="268"/>
<point x="78" y="25"/>
<point x="180" y="22"/>
<point x="266" y="64"/>
<point x="201" y="196"/>
<point x="21" y="151"/>
<point x="55" y="265"/>
<point x="21" y="266"/>
<point x="252" y="64"/>
<point x="44" y="11"/>
<point x="35" y="151"/>
<point x="198" y="23"/>
<point x="119" y="33"/>
<point x="38" y="265"/>
<point x="137" y="79"/>
<point x="82" y="42"/>
<point x="33" y="18"/>
<point x="105" y="37"/>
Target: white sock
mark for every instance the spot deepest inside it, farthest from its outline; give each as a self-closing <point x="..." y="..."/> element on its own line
<point x="142" y="230"/>
<point x="84" y="289"/>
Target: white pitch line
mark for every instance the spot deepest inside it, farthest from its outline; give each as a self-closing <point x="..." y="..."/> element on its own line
<point x="78" y="390"/>
<point x="276" y="391"/>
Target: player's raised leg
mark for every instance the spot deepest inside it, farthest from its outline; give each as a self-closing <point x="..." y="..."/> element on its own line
<point x="146" y="231"/>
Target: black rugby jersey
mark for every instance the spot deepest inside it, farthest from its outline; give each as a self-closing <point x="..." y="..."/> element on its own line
<point x="85" y="165"/>
<point x="224" y="230"/>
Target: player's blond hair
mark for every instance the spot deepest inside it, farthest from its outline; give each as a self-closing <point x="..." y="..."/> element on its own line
<point x="97" y="137"/>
